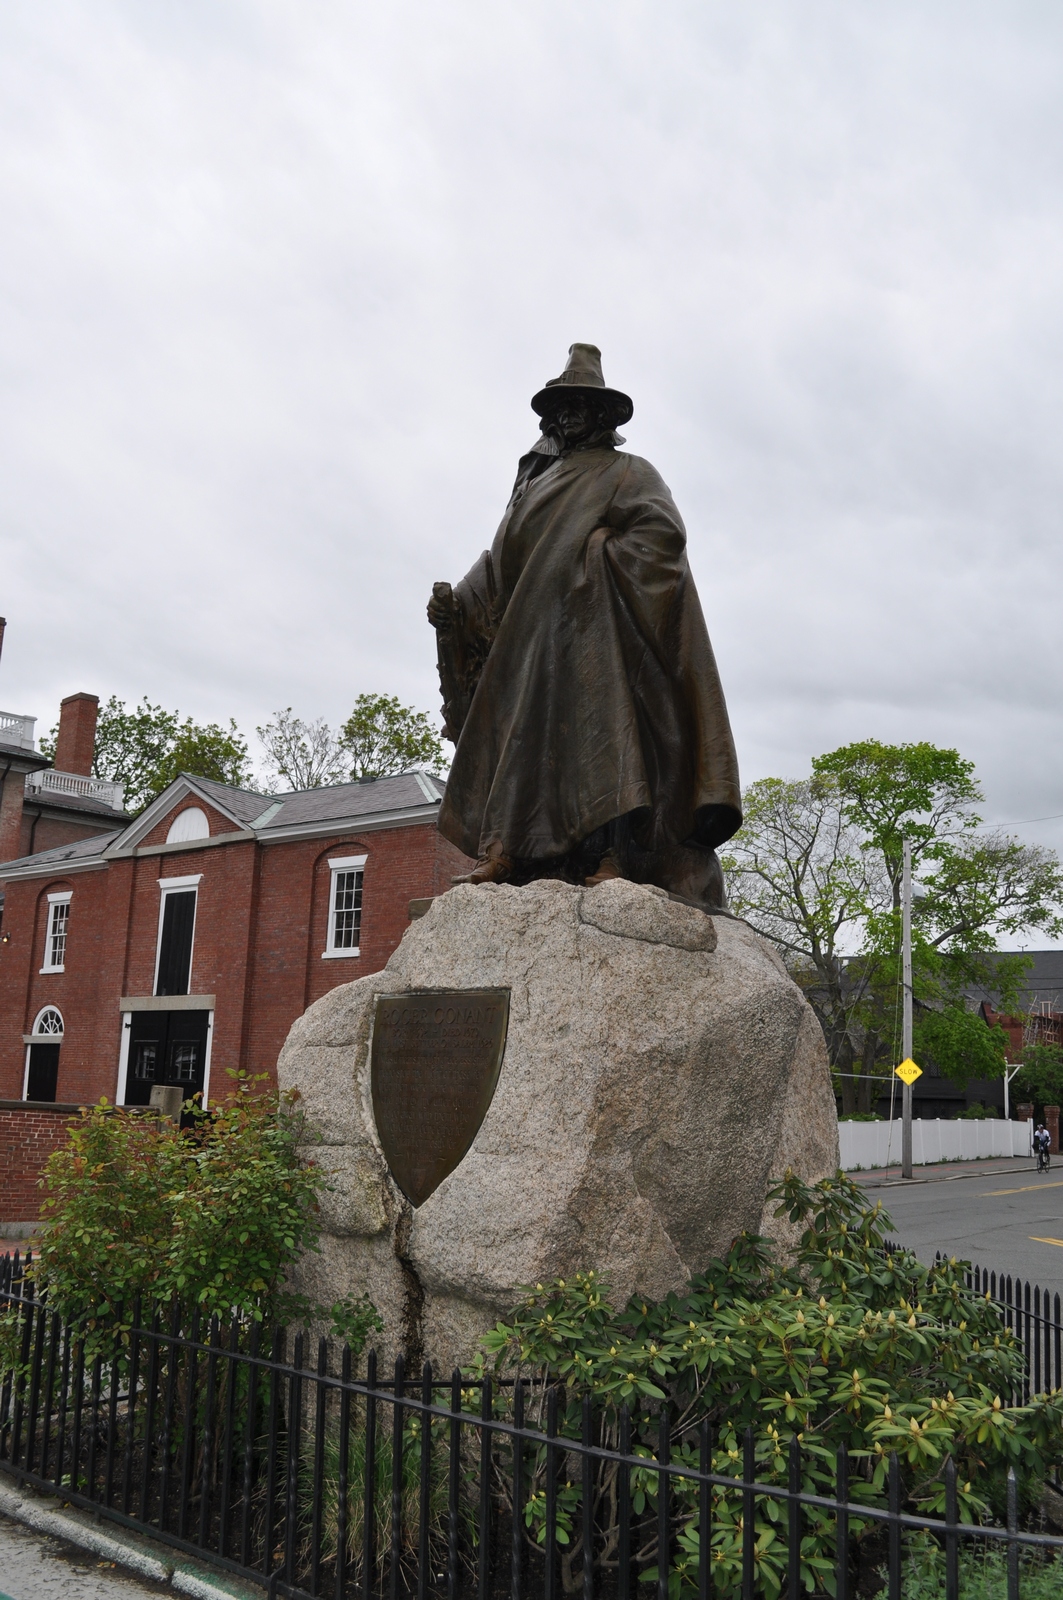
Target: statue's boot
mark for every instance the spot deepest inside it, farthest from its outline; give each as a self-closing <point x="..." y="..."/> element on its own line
<point x="607" y="868"/>
<point x="494" y="867"/>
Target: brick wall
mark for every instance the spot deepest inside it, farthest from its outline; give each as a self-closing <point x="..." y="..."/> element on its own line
<point x="48" y="833"/>
<point x="261" y="927"/>
<point x="28" y="1135"/>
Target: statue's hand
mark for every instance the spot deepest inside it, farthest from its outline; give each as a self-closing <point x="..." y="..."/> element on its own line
<point x="444" y="608"/>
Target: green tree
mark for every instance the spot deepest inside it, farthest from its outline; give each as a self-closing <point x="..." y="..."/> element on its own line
<point x="1040" y="1079"/>
<point x="381" y="737"/>
<point x="304" y="755"/>
<point x="203" y="751"/>
<point x="817" y="868"/>
<point x="144" y="747"/>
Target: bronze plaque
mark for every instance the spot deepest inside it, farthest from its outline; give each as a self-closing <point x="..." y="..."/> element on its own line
<point x="437" y="1054"/>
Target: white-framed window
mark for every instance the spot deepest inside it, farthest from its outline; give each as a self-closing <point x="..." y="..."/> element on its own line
<point x="177" y="923"/>
<point x="49" y="1024"/>
<point x="55" y="931"/>
<point x="344" y="907"/>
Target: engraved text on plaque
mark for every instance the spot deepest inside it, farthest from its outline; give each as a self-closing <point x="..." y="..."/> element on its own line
<point x="436" y="1058"/>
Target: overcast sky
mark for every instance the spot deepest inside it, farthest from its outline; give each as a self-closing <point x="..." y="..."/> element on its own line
<point x="278" y="281"/>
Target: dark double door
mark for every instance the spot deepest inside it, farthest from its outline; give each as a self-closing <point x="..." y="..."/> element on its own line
<point x="168" y="1047"/>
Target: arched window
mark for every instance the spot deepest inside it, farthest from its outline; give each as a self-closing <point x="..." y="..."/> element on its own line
<point x="49" y="1023"/>
<point x="191" y="823"/>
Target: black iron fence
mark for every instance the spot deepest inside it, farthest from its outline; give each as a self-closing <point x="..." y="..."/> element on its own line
<point x="1035" y="1317"/>
<point x="279" y="1461"/>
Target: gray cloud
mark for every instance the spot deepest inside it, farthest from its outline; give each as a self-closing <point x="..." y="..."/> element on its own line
<point x="278" y="282"/>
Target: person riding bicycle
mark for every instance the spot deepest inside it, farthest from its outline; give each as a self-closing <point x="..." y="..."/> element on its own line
<point x="1042" y="1144"/>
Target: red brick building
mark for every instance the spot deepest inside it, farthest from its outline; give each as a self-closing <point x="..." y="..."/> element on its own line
<point x="42" y="805"/>
<point x="184" y="944"/>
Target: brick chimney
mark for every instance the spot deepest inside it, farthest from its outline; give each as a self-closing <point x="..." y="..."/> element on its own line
<point x="77" y="734"/>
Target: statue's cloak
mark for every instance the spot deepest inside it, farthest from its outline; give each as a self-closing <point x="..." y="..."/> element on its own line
<point x="579" y="681"/>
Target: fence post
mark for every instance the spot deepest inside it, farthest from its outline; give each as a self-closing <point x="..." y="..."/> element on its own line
<point x="952" y="1543"/>
<point x="342" y="1484"/>
<point x="423" y="1573"/>
<point x="587" y="1476"/>
<point x="623" y="1510"/>
<point x="295" y="1430"/>
<point x="664" y="1485"/>
<point x="483" y="1569"/>
<point x="749" y="1516"/>
<point x="453" y="1487"/>
<point x="842" y="1495"/>
<point x="1013" y="1528"/>
<point x="396" y="1478"/>
<point x="517" y="1543"/>
<point x="793" y="1507"/>
<point x="369" y="1478"/>
<point x="705" y="1578"/>
<point x="550" y="1543"/>
<point x="896" y="1548"/>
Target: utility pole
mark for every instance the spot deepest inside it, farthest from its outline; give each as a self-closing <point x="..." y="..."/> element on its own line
<point x="906" y="982"/>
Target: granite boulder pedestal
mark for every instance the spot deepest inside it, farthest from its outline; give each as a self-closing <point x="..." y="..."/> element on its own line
<point x="659" y="1069"/>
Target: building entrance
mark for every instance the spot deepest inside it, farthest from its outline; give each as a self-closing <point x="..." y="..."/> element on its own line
<point x="167" y="1047"/>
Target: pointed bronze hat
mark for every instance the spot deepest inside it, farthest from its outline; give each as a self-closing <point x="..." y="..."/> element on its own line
<point x="583" y="370"/>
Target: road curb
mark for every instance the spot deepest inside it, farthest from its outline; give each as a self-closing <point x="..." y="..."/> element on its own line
<point x="46" y="1515"/>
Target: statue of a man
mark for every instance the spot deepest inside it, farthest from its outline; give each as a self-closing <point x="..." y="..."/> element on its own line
<point x="578" y="680"/>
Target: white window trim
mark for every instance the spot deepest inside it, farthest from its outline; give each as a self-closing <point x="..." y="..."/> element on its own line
<point x="206" y="1061"/>
<point x="44" y="1038"/>
<point x="29" y="1040"/>
<point x="337" y="865"/>
<point x="60" y="898"/>
<point x="169" y="886"/>
<point x="123" y="1057"/>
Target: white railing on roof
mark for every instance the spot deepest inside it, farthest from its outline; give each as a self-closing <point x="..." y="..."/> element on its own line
<point x="72" y="783"/>
<point x="16" y="730"/>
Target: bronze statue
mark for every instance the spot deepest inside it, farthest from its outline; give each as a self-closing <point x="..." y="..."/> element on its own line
<point x="578" y="680"/>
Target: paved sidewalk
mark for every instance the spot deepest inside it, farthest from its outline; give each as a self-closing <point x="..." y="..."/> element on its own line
<point x="944" y="1171"/>
<point x="36" y="1567"/>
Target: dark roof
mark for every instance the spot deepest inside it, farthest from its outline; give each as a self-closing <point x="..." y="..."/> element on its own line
<point x="1043" y="982"/>
<point x="74" y="802"/>
<point x="77" y="850"/>
<point x="339" y="801"/>
<point x="244" y="804"/>
<point x="31" y="760"/>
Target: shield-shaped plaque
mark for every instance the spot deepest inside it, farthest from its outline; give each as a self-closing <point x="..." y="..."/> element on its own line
<point x="436" y="1058"/>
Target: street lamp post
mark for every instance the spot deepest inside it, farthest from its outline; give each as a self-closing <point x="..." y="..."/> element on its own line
<point x="906" y="982"/>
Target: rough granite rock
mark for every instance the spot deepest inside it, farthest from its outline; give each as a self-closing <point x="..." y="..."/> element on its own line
<point x="660" y="1068"/>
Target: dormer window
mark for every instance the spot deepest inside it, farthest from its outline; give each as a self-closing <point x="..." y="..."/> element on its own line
<point x="55" y="932"/>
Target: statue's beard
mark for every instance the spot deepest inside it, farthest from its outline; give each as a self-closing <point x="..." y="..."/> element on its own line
<point x="597" y="433"/>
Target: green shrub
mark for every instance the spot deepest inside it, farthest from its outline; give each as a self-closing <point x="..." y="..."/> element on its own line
<point x="862" y="1116"/>
<point x="848" y="1343"/>
<point x="977" y="1112"/>
<point x="212" y="1216"/>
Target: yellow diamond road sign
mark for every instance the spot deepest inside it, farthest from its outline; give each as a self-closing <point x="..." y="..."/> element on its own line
<point x="909" y="1071"/>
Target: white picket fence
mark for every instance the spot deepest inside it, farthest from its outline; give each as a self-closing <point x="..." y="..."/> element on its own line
<point x="878" y="1144"/>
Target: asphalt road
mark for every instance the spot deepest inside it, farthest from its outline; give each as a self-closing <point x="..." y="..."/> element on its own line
<point x="33" y="1567"/>
<point x="1009" y="1220"/>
